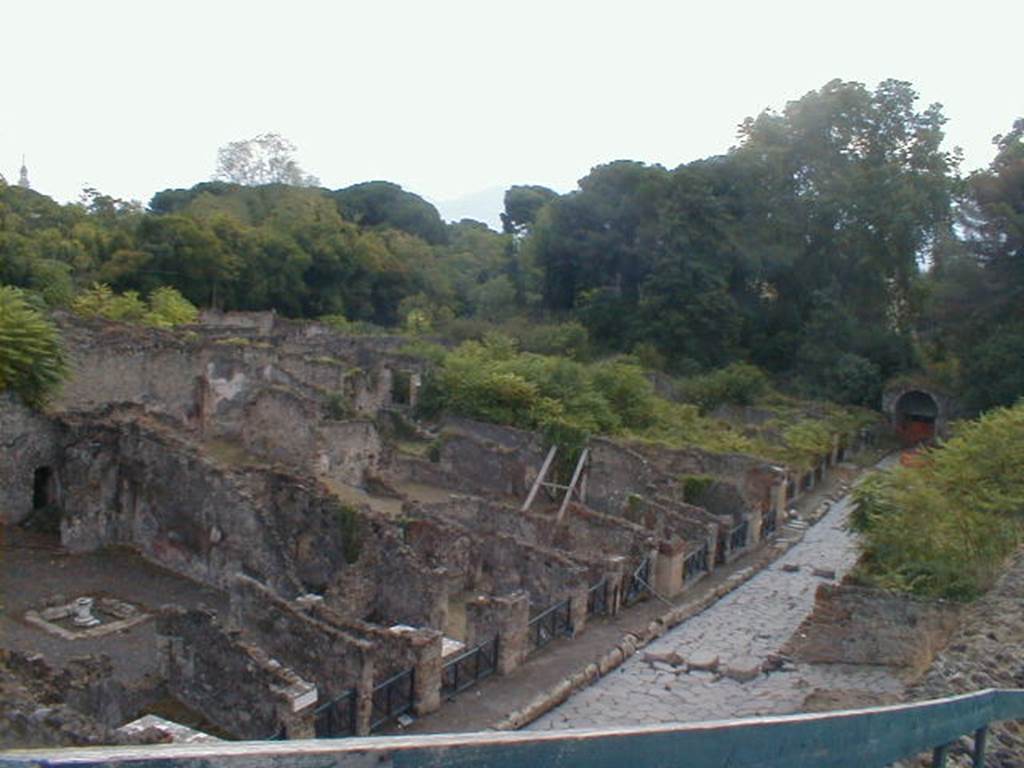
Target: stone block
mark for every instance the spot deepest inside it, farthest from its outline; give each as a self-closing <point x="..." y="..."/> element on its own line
<point x="703" y="661"/>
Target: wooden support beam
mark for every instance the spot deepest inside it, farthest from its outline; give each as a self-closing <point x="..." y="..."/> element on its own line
<point x="572" y="484"/>
<point x="540" y="478"/>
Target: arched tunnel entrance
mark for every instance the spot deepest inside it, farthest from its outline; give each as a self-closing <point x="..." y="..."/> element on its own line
<point x="916" y="414"/>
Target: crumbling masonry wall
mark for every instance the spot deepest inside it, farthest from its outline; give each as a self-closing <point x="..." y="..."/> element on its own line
<point x="28" y="442"/>
<point x="232" y="682"/>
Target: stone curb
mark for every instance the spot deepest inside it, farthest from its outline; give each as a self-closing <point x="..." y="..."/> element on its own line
<point x="630" y="643"/>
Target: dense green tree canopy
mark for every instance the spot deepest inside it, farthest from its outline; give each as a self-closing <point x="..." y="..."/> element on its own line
<point x="834" y="246"/>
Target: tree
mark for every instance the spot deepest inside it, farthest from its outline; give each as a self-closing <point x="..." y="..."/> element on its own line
<point x="31" y="361"/>
<point x="263" y="159"/>
<point x="381" y="203"/>
<point x="994" y="217"/>
<point x="522" y="204"/>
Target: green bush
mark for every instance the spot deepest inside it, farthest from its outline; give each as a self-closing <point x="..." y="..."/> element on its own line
<point x="736" y="384"/>
<point x="694" y="487"/>
<point x="942" y="527"/>
<point x="166" y="307"/>
<point x="32" y="363"/>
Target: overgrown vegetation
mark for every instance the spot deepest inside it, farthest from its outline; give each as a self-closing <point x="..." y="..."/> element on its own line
<point x="32" y="363"/>
<point x="943" y="526"/>
<point x="569" y="400"/>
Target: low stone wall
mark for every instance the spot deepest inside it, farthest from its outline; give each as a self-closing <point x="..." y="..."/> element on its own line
<point x="860" y="625"/>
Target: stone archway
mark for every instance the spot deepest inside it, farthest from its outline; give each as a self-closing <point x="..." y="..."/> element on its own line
<point x="916" y="413"/>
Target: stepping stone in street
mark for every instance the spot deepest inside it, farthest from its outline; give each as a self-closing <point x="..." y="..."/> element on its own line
<point x="743" y="669"/>
<point x="703" y="661"/>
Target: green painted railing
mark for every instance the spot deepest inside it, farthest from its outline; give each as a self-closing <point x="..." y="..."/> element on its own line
<point x="849" y="739"/>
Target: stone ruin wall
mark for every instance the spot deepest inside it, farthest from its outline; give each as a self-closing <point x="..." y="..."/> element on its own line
<point x="28" y="441"/>
<point x="123" y="484"/>
<point x="331" y="658"/>
<point x="267" y="396"/>
<point x="231" y="682"/>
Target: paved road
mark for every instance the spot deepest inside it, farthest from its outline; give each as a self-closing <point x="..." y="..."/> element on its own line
<point x="742" y="628"/>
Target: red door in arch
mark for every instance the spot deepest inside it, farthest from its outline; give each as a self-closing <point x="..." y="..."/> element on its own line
<point x="914" y="430"/>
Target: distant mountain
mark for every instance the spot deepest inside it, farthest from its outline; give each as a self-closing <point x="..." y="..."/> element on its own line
<point x="485" y="205"/>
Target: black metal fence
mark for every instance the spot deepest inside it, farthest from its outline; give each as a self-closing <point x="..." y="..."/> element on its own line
<point x="554" y="622"/>
<point x="738" y="536"/>
<point x="597" y="599"/>
<point x="769" y="523"/>
<point x="696" y="563"/>
<point x="469" y="668"/>
<point x="391" y="699"/>
<point x="637" y="583"/>
<point x="336" y="718"/>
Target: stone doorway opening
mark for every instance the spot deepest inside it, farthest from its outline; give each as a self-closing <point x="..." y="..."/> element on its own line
<point x="42" y="482"/>
<point x="45" y="514"/>
<point x="916" y="414"/>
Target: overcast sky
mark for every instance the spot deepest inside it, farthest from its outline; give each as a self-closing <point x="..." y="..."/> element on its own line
<point x="448" y="98"/>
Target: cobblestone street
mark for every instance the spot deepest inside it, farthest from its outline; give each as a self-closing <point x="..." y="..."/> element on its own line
<point x="742" y="630"/>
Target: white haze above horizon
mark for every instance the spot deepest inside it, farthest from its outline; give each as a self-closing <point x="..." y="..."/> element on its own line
<point x="456" y="101"/>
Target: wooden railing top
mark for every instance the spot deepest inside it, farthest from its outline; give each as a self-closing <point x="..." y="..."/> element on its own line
<point x="846" y="739"/>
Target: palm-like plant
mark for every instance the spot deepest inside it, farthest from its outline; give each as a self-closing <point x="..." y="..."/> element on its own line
<point x="32" y="363"/>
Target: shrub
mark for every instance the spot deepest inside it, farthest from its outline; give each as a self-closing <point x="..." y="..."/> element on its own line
<point x="165" y="308"/>
<point x="32" y="363"/>
<point x="943" y="527"/>
<point x="736" y="384"/>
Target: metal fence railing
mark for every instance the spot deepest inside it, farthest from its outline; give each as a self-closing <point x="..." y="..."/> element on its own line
<point x="337" y="717"/>
<point x="391" y="699"/>
<point x="637" y="584"/>
<point x="738" y="536"/>
<point x="597" y="599"/>
<point x="553" y="622"/>
<point x="695" y="563"/>
<point x="846" y="739"/>
<point x="469" y="668"/>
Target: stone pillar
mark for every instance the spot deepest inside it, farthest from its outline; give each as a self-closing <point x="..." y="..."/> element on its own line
<point x="578" y="608"/>
<point x="833" y="457"/>
<point x="778" y="499"/>
<point x="364" y="697"/>
<point x="668" y="568"/>
<point x="426" y="645"/>
<point x="755" y="520"/>
<point x="296" y="707"/>
<point x="508" y="617"/>
<point x="415" y="382"/>
<point x="616" y="576"/>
